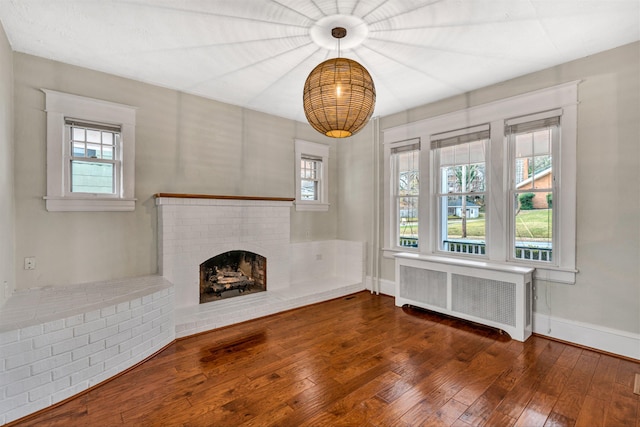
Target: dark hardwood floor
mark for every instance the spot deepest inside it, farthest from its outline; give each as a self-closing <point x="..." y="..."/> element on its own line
<point x="361" y="361"/>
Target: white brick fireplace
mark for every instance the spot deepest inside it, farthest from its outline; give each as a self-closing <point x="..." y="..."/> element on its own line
<point x="194" y="228"/>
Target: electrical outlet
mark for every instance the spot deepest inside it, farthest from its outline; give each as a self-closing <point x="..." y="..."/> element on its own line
<point x="318" y="257"/>
<point x="30" y="263"/>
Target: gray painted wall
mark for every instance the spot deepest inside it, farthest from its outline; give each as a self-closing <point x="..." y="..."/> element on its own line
<point x="607" y="289"/>
<point x="184" y="144"/>
<point x="7" y="200"/>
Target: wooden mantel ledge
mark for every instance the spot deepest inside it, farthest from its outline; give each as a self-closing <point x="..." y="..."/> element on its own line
<point x="213" y="196"/>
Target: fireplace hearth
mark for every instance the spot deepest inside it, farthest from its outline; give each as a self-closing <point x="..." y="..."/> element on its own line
<point x="232" y="274"/>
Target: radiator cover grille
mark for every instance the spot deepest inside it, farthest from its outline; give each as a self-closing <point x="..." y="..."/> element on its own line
<point x="484" y="298"/>
<point x="427" y="286"/>
<point x="493" y="294"/>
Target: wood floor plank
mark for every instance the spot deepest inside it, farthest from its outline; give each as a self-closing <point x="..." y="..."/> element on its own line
<point x="537" y="411"/>
<point x="572" y="397"/>
<point x="620" y="411"/>
<point x="592" y="412"/>
<point x="446" y="415"/>
<point x="360" y="361"/>
<point x="479" y="412"/>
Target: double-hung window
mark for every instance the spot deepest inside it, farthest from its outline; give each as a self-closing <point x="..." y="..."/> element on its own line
<point x="312" y="176"/>
<point x="532" y="144"/>
<point x="90" y="154"/>
<point x="94" y="157"/>
<point x="405" y="161"/>
<point x="461" y="183"/>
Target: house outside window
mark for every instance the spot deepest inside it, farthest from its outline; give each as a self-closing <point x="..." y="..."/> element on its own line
<point x="90" y="154"/>
<point x="497" y="181"/>
<point x="312" y="176"/>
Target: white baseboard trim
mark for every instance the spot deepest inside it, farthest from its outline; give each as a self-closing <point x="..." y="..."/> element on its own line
<point x="387" y="287"/>
<point x="610" y="340"/>
<point x="614" y="341"/>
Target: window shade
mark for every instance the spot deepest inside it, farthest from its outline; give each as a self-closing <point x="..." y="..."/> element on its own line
<point x="533" y="122"/>
<point x="92" y="125"/>
<point x="531" y="126"/>
<point x="460" y="136"/>
<point x="314" y="158"/>
<point x="408" y="145"/>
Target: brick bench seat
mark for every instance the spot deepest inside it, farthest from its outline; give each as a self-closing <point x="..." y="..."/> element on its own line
<point x="58" y="341"/>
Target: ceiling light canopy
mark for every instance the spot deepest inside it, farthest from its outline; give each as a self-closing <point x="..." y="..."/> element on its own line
<point x="339" y="95"/>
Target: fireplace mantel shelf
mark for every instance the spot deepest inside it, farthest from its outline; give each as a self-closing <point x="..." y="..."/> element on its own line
<point x="214" y="196"/>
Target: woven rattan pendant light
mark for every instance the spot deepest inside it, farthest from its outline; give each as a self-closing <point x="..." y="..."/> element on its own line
<point x="339" y="95"/>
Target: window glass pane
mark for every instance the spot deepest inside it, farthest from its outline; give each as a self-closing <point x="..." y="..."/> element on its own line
<point x="542" y="172"/>
<point x="465" y="229"/>
<point x="408" y="221"/>
<point x="309" y="169"/>
<point x="309" y="190"/>
<point x="476" y="152"/>
<point x="461" y="154"/>
<point x="89" y="177"/>
<point x="463" y="179"/>
<point x="533" y="226"/>
<point x="447" y="156"/>
<point x="79" y="149"/>
<point x="78" y="134"/>
<point x="93" y="135"/>
<point x="407" y="165"/>
<point x="107" y="152"/>
<point x="524" y="145"/>
<point x="542" y="142"/>
<point x="107" y="138"/>
<point x="93" y="151"/>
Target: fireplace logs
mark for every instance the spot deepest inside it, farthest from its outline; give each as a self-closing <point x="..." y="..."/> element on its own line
<point x="240" y="271"/>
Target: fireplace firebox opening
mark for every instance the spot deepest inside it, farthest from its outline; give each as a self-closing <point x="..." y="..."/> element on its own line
<point x="232" y="274"/>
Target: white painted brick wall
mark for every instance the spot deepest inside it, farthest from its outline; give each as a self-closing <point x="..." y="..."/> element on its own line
<point x="47" y="361"/>
<point x="191" y="231"/>
<point x="337" y="272"/>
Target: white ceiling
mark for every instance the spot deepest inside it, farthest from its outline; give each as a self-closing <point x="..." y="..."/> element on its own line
<point x="258" y="53"/>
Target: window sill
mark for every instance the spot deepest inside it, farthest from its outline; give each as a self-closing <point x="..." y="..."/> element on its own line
<point x="81" y="204"/>
<point x="390" y="253"/>
<point x="317" y="207"/>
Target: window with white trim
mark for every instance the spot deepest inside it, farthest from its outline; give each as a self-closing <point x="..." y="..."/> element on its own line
<point x="405" y="159"/>
<point x="90" y="154"/>
<point x="460" y="156"/>
<point x="312" y="176"/>
<point x="498" y="183"/>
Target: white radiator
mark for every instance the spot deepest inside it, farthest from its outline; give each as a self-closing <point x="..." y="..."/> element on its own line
<point x="492" y="294"/>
